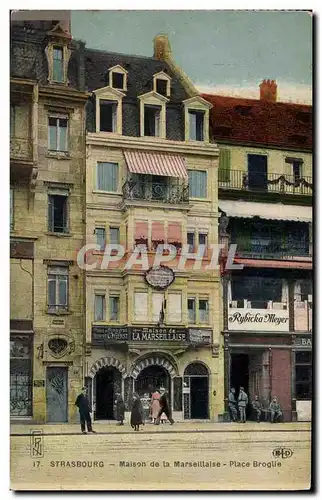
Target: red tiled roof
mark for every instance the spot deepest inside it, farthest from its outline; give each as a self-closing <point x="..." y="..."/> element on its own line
<point x="255" y="121"/>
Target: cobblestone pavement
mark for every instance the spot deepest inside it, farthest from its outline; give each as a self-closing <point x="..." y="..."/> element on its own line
<point x="187" y="456"/>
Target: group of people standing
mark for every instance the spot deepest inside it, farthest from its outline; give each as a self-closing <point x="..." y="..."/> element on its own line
<point x="240" y="405"/>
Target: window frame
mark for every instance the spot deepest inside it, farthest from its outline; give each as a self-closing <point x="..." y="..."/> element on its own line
<point x="57" y="117"/>
<point x="197" y="298"/>
<point x="195" y="104"/>
<point x="59" y="271"/>
<point x="157" y="119"/>
<point x="206" y="184"/>
<point x="115" y="96"/>
<point x="110" y="298"/>
<point x="297" y="382"/>
<point x="61" y="49"/>
<point x="100" y="294"/>
<point x="102" y="245"/>
<point x="153" y="99"/>
<point x="113" y="105"/>
<point x="50" y="212"/>
<point x="118" y="180"/>
<point x="120" y="70"/>
<point x="165" y="77"/>
<point x="110" y="235"/>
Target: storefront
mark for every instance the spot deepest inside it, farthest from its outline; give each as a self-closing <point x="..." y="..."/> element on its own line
<point x="20" y="376"/>
<point x="302" y="376"/>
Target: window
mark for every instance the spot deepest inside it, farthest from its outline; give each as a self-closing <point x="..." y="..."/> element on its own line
<point x="118" y="81"/>
<point x="100" y="237"/>
<point x="196" y="125"/>
<point x="259" y="290"/>
<point x="157" y="301"/>
<point x="152" y="120"/>
<point x="99" y="307"/>
<point x="58" y="134"/>
<point x="191" y="241"/>
<point x="202" y="237"/>
<point x="114" y="308"/>
<point x="203" y="311"/>
<point x="108" y="116"/>
<point x="197" y="184"/>
<point x="57" y="288"/>
<point x="107" y="177"/>
<point x="174" y="308"/>
<point x="140" y="306"/>
<point x="303" y="291"/>
<point x="11" y="210"/>
<point x="58" y="65"/>
<point x="192" y="310"/>
<point x="57" y="213"/>
<point x="161" y="86"/>
<point x="114" y="235"/>
<point x="297" y="170"/>
<point x="303" y="375"/>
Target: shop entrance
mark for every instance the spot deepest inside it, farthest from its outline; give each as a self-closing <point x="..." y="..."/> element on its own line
<point x="151" y="378"/>
<point x="196" y="399"/>
<point x="108" y="383"/>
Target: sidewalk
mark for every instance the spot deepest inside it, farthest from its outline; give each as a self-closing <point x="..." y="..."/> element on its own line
<point x="179" y="427"/>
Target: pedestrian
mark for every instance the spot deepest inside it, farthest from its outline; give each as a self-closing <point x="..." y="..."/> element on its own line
<point x="119" y="409"/>
<point x="242" y="403"/>
<point x="257" y="406"/>
<point x="155" y="405"/>
<point x="164" y="407"/>
<point x="232" y="404"/>
<point x="82" y="402"/>
<point x="275" y="409"/>
<point x="136" y="412"/>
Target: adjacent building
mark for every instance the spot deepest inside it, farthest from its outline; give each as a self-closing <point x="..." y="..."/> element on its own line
<point x="151" y="180"/>
<point x="265" y="200"/>
<point x="47" y="196"/>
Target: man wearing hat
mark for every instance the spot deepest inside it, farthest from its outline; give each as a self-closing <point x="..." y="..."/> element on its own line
<point x="82" y="402"/>
<point x="164" y="407"/>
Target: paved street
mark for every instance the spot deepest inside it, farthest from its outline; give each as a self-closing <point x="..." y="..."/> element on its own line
<point x="190" y="456"/>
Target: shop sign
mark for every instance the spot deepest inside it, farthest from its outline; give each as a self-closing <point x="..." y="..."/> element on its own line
<point x="103" y="334"/>
<point x="258" y="319"/>
<point x="159" y="277"/>
<point x="200" y="335"/>
<point x="303" y="341"/>
<point x="159" y="334"/>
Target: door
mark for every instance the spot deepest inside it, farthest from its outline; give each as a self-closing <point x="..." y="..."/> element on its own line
<point x="199" y="397"/>
<point x="257" y="172"/>
<point x="56" y="394"/>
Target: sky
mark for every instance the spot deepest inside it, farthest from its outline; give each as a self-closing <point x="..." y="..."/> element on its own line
<point x="222" y="52"/>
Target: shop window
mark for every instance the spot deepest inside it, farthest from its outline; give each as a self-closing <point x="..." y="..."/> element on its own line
<point x="303" y="375"/>
<point x="258" y="290"/>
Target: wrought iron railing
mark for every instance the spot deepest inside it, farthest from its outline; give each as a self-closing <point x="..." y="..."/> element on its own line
<point x="20" y="148"/>
<point x="274" y="249"/>
<point x="271" y="183"/>
<point x="170" y="192"/>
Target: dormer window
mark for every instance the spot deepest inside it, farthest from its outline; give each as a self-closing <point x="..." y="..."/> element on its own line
<point x="153" y="115"/>
<point x="162" y="84"/>
<point x="58" y="54"/>
<point x="197" y="119"/>
<point x="58" y="64"/>
<point x="118" y="78"/>
<point x="109" y="110"/>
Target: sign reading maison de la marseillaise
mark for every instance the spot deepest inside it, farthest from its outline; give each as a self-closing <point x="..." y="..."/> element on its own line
<point x="161" y="334"/>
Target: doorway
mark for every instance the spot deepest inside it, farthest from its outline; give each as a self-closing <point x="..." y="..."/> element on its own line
<point x="257" y="172"/>
<point x="196" y="392"/>
<point x="151" y="378"/>
<point x="108" y="384"/>
<point x="56" y="394"/>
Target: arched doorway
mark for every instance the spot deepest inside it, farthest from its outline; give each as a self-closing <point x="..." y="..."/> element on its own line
<point x="196" y="391"/>
<point x="151" y="378"/>
<point x="108" y="381"/>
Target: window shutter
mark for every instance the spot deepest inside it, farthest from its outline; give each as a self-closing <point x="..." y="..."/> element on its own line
<point x="140" y="306"/>
<point x="174" y="308"/>
<point x="157" y="300"/>
<point x="224" y="165"/>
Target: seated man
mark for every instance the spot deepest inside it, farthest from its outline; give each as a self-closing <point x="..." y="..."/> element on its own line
<point x="257" y="406"/>
<point x="275" y="410"/>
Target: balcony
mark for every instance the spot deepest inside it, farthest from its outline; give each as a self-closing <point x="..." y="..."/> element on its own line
<point x="167" y="191"/>
<point x="271" y="249"/>
<point x="240" y="180"/>
<point x="21" y="148"/>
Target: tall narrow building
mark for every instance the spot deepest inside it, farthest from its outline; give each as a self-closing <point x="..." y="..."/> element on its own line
<point x="47" y="175"/>
<point x="151" y="180"/>
<point x="265" y="200"/>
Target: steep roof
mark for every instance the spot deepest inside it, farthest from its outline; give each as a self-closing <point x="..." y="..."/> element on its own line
<point x="258" y="122"/>
<point x="140" y="73"/>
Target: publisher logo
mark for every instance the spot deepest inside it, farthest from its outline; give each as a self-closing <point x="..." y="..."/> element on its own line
<point x="282" y="452"/>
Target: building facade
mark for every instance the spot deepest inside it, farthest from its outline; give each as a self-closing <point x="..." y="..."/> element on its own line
<point x="265" y="200"/>
<point x="151" y="181"/>
<point x="47" y="175"/>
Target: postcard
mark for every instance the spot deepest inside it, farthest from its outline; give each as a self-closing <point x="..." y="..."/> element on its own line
<point x="161" y="250"/>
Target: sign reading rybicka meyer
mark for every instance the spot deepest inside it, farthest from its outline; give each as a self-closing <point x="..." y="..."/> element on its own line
<point x="273" y="320"/>
<point x="159" y="277"/>
<point x="155" y="333"/>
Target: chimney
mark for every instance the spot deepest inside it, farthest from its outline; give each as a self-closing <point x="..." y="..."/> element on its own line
<point x="162" y="49"/>
<point x="268" y="91"/>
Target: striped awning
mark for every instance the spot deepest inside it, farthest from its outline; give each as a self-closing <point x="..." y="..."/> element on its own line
<point x="283" y="264"/>
<point x="164" y="164"/>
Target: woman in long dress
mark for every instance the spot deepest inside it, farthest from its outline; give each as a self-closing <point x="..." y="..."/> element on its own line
<point x="136" y="413"/>
<point x="155" y="405"/>
<point x="119" y="409"/>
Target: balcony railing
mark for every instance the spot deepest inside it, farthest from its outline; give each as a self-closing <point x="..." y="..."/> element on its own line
<point x="20" y="148"/>
<point x="156" y="191"/>
<point x="272" y="249"/>
<point x="271" y="183"/>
